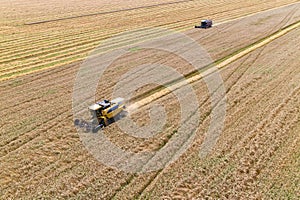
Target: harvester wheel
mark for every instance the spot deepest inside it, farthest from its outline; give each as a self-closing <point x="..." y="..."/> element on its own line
<point x="81" y="124"/>
<point x="76" y="122"/>
<point x="123" y="114"/>
<point x="88" y="128"/>
<point x="117" y="118"/>
<point x="94" y="130"/>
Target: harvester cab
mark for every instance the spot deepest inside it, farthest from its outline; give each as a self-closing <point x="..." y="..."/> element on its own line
<point x="96" y="112"/>
<point x="103" y="113"/>
<point x="207" y="23"/>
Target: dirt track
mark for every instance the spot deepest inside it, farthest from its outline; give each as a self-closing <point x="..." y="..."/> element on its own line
<point x="256" y="156"/>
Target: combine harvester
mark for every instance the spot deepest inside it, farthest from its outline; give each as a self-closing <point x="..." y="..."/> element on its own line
<point x="207" y="23"/>
<point x="103" y="113"/>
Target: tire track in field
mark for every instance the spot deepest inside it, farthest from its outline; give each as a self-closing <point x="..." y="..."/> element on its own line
<point x="204" y="103"/>
<point x="266" y="91"/>
<point x="19" y="141"/>
<point x="281" y="25"/>
<point x="206" y="100"/>
<point x="62" y="171"/>
<point x="223" y="166"/>
<point x="197" y="77"/>
<point x="263" y="46"/>
<point x="220" y="66"/>
<point x="126" y="181"/>
<point x="261" y="145"/>
<point x="210" y="110"/>
<point x="277" y="85"/>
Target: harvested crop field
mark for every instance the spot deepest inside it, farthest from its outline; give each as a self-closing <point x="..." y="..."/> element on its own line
<point x="255" y="47"/>
<point x="28" y="48"/>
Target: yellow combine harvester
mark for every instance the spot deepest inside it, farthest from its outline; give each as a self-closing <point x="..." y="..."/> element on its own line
<point x="103" y="114"/>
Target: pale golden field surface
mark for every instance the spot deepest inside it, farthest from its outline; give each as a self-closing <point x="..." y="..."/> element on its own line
<point x="257" y="155"/>
<point x="27" y="48"/>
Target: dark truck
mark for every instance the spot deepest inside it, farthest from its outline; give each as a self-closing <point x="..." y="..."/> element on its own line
<point x="207" y="23"/>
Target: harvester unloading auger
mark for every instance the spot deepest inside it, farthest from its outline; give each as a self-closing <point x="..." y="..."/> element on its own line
<point x="103" y="113"/>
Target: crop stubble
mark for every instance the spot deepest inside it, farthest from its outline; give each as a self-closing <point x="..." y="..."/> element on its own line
<point x="55" y="49"/>
<point x="42" y="155"/>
